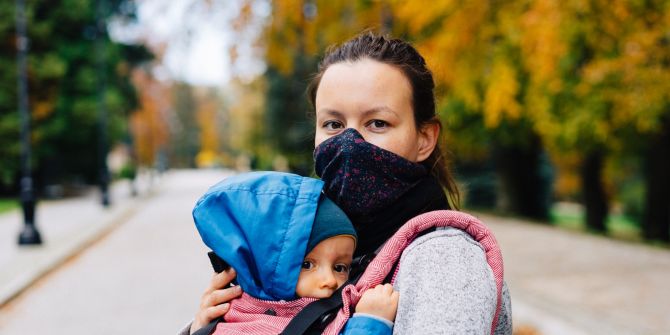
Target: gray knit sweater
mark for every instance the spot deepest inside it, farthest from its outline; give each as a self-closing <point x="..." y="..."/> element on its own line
<point x="447" y="287"/>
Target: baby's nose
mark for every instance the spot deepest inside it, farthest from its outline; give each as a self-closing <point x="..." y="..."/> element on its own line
<point x="328" y="280"/>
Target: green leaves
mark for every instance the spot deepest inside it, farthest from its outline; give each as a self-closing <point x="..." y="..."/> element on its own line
<point x="64" y="79"/>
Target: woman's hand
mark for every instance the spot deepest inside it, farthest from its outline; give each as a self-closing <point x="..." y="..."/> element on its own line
<point x="380" y="301"/>
<point x="214" y="302"/>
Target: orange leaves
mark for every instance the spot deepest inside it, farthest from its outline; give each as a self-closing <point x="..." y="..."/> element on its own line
<point x="305" y="28"/>
<point x="42" y="110"/>
<point x="148" y="123"/>
<point x="455" y="42"/>
<point x="574" y="70"/>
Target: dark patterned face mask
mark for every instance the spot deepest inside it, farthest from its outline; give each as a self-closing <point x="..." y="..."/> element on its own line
<point x="361" y="177"/>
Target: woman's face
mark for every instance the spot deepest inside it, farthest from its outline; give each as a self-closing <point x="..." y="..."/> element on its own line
<point x="375" y="99"/>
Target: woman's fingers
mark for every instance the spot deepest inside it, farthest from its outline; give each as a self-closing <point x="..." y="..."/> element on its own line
<point x="220" y="280"/>
<point x="214" y="312"/>
<point x="206" y="315"/>
<point x="220" y="296"/>
<point x="215" y="300"/>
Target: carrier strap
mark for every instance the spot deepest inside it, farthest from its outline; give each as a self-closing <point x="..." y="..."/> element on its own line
<point x="317" y="315"/>
<point x="321" y="311"/>
<point x="209" y="328"/>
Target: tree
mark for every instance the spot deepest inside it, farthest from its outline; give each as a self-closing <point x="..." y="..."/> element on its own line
<point x="580" y="81"/>
<point x="184" y="138"/>
<point x="474" y="52"/>
<point x="209" y="117"/>
<point x="297" y="33"/>
<point x="149" y="122"/>
<point x="63" y="87"/>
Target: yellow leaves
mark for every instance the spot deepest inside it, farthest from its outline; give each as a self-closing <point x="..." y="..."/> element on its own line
<point x="419" y="14"/>
<point x="537" y="105"/>
<point x="576" y="70"/>
<point x="245" y="115"/>
<point x="542" y="45"/>
<point x="207" y="158"/>
<point x="207" y="120"/>
<point x="455" y="51"/>
<point x="279" y="58"/>
<point x="501" y="95"/>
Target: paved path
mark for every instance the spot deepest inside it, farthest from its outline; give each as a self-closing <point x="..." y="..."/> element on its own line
<point x="146" y="276"/>
<point x="565" y="282"/>
<point x="66" y="226"/>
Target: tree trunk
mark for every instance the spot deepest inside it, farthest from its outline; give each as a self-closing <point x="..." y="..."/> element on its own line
<point x="595" y="200"/>
<point x="525" y="180"/>
<point x="656" y="223"/>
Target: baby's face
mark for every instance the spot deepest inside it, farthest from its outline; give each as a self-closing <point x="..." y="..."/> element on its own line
<point x="326" y="267"/>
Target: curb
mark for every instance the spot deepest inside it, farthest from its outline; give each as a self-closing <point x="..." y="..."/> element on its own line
<point x="33" y="263"/>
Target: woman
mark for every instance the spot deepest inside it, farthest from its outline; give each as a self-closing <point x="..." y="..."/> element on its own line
<point x="377" y="152"/>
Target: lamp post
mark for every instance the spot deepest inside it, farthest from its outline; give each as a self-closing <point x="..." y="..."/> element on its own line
<point x="103" y="172"/>
<point x="29" y="235"/>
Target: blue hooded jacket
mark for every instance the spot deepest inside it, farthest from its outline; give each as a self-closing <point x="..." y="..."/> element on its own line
<point x="260" y="223"/>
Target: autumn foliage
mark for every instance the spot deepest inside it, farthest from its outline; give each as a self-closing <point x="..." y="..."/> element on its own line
<point x="578" y="80"/>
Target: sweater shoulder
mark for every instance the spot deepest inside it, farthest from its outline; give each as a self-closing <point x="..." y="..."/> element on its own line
<point x="444" y="283"/>
<point x="448" y="237"/>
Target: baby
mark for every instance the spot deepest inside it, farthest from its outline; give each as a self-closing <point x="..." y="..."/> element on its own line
<point x="286" y="242"/>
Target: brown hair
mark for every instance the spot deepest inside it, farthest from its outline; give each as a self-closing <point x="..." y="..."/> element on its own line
<point x="402" y="55"/>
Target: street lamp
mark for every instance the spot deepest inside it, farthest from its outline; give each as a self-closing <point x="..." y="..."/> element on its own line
<point x="29" y="235"/>
<point x="103" y="172"/>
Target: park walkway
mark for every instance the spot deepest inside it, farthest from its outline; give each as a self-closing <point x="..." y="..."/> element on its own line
<point x="66" y="226"/>
<point x="144" y="272"/>
<point x="565" y="282"/>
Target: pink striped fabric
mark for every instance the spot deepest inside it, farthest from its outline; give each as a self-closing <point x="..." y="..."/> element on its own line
<point x="247" y="315"/>
<point x="382" y="264"/>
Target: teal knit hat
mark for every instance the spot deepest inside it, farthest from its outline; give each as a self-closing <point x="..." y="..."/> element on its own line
<point x="330" y="221"/>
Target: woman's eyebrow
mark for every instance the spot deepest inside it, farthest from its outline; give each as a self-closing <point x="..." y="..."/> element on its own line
<point x="366" y="113"/>
<point x="380" y="109"/>
<point x="330" y="112"/>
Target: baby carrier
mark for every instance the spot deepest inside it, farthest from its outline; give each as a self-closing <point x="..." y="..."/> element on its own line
<point x="249" y="315"/>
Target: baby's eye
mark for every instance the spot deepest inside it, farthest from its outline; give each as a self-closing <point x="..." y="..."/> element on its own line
<point x="307" y="265"/>
<point x="333" y="125"/>
<point x="341" y="268"/>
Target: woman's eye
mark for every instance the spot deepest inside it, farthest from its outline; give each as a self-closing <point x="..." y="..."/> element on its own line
<point x="378" y="124"/>
<point x="341" y="268"/>
<point x="333" y="125"/>
<point x="307" y="265"/>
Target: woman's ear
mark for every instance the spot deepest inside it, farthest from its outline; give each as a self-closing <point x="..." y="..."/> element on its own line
<point x="428" y="135"/>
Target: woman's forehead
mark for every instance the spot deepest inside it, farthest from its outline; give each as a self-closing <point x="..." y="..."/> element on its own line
<point x="365" y="84"/>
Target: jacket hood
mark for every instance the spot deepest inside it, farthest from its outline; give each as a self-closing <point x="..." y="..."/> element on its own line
<point x="260" y="223"/>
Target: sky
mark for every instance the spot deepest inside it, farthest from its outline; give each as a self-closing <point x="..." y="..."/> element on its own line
<point x="197" y="36"/>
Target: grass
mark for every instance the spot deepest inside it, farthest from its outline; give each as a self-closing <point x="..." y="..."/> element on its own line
<point x="619" y="226"/>
<point x="7" y="205"/>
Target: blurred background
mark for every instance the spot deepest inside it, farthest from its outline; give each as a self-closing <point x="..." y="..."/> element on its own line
<point x="555" y="113"/>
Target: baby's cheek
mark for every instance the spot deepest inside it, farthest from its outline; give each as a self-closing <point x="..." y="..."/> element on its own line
<point x="342" y="279"/>
<point x="301" y="287"/>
